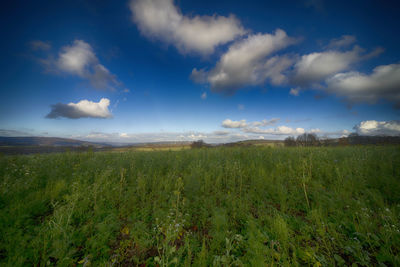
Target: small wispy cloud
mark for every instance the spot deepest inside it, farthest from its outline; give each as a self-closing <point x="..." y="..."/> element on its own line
<point x="294" y="91"/>
<point x="228" y="123"/>
<point x="79" y="59"/>
<point x="343" y="41"/>
<point x="280" y="130"/>
<point x="38" y="45"/>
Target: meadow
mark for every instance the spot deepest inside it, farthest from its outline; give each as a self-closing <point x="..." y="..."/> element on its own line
<point x="226" y="206"/>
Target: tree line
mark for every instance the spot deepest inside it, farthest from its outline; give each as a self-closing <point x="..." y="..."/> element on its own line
<point x="311" y="139"/>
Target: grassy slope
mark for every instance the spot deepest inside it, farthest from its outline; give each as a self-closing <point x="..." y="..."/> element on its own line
<point x="221" y="206"/>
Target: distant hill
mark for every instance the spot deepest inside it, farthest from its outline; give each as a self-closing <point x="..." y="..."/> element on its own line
<point x="34" y="144"/>
<point x="45" y="141"/>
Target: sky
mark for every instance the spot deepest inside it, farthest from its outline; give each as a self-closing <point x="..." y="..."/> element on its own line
<point x="180" y="70"/>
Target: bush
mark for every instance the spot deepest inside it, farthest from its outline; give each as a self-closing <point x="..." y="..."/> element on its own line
<point x="199" y="144"/>
<point x="290" y="141"/>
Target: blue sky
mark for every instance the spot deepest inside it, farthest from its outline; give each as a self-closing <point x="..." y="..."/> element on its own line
<point x="158" y="70"/>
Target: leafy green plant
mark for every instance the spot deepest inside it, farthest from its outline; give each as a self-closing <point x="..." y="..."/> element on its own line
<point x="258" y="206"/>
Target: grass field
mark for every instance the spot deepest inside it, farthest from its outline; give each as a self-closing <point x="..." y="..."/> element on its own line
<point x="255" y="206"/>
<point x="167" y="147"/>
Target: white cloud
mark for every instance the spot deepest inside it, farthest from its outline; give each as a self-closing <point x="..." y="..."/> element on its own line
<point x="82" y="109"/>
<point x="101" y="78"/>
<point x="243" y="124"/>
<point x="245" y="63"/>
<point x="280" y="130"/>
<point x="76" y="58"/>
<point x="256" y="127"/>
<point x="79" y="59"/>
<point x="204" y="96"/>
<point x="383" y="82"/>
<point x="345" y="133"/>
<point x="343" y="41"/>
<point x="372" y="127"/>
<point x="162" y="20"/>
<point x="295" y="91"/>
<point x="199" y="76"/>
<point x="234" y="124"/>
<point x="264" y="122"/>
<point x="248" y="63"/>
<point x="97" y="135"/>
<point x="274" y="69"/>
<point x="315" y="67"/>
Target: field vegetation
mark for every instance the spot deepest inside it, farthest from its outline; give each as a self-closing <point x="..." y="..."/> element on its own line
<point x="224" y="206"/>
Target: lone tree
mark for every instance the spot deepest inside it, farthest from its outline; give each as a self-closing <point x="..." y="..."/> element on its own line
<point x="307" y="139"/>
<point x="290" y="141"/>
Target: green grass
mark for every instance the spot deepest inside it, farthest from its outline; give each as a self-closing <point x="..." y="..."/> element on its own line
<point x="219" y="206"/>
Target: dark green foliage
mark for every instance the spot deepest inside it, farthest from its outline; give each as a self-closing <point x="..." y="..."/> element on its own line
<point x="290" y="141"/>
<point x="252" y="206"/>
<point x="199" y="144"/>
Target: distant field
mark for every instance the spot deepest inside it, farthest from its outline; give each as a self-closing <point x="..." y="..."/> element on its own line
<point x="265" y="143"/>
<point x="224" y="206"/>
<point x="151" y="148"/>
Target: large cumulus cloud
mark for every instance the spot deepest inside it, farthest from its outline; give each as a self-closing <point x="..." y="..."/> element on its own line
<point x="382" y="83"/>
<point x="162" y="20"/>
<point x="246" y="63"/>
